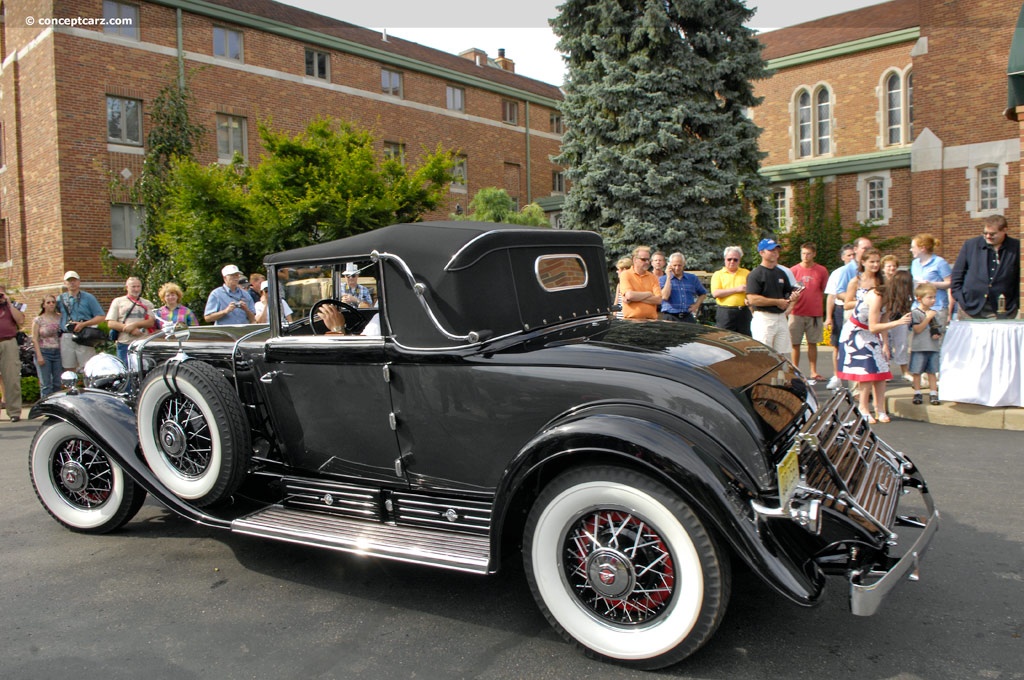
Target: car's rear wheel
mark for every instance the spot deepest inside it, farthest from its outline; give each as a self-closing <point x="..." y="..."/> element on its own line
<point x="78" y="484"/>
<point x="193" y="431"/>
<point x="624" y="568"/>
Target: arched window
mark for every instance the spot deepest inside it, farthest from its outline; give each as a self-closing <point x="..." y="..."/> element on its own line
<point x="813" y="122"/>
<point x="898" y="108"/>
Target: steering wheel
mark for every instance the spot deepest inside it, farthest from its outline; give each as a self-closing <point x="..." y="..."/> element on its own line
<point x="348" y="310"/>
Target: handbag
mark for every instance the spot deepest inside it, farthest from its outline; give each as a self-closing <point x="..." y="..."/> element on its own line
<point x="90" y="336"/>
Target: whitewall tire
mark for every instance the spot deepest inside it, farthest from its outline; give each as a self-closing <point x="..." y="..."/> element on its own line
<point x="78" y="484"/>
<point x="624" y="568"/>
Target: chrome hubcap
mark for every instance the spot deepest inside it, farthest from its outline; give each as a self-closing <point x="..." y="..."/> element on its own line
<point x="172" y="439"/>
<point x="74" y="476"/>
<point x="610" y="573"/>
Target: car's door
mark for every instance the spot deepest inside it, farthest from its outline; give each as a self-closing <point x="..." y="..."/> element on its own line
<point x="330" y="405"/>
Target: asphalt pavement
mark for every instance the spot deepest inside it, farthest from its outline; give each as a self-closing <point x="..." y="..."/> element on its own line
<point x="165" y="598"/>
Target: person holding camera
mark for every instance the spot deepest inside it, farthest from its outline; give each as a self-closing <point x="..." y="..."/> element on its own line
<point x="78" y="310"/>
<point x="229" y="304"/>
<point x="11" y="319"/>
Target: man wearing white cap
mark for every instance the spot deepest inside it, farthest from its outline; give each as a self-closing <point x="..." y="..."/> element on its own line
<point x="229" y="304"/>
<point x="78" y="309"/>
<point x="353" y="292"/>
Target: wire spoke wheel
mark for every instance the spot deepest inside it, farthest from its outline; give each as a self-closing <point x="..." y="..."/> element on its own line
<point x="78" y="483"/>
<point x="624" y="568"/>
<point x="619" y="567"/>
<point x="184" y="436"/>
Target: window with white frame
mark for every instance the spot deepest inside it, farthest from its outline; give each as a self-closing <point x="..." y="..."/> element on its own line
<point x="231" y="137"/>
<point x="988" y="187"/>
<point x="394" y="151"/>
<point x="318" y="64"/>
<point x="455" y="98"/>
<point x="557" y="182"/>
<point x="813" y="122"/>
<point x="897" y="108"/>
<point x="125" y="219"/>
<point x="780" y="202"/>
<point x="391" y="82"/>
<point x="227" y="43"/>
<point x="876" y="198"/>
<point x="124" y="121"/>
<point x="121" y="19"/>
<point x="874" y="189"/>
<point x="509" y="111"/>
<point x="459" y="175"/>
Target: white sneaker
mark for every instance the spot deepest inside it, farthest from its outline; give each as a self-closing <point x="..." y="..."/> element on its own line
<point x="834" y="383"/>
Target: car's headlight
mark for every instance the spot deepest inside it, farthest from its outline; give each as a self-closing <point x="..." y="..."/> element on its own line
<point x="105" y="372"/>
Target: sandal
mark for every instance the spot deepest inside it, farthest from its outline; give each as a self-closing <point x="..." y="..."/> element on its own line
<point x="871" y="419"/>
<point x="817" y="377"/>
<point x="883" y="418"/>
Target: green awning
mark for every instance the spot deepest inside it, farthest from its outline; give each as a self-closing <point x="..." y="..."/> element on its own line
<point x="1015" y="70"/>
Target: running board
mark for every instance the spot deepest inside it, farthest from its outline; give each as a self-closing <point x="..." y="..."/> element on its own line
<point x="460" y="552"/>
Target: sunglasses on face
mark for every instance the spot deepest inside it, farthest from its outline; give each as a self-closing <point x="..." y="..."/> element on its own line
<point x="732" y="259"/>
<point x="643" y="259"/>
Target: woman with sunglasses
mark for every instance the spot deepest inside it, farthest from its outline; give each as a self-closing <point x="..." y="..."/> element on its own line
<point x="46" y="340"/>
<point x="729" y="288"/>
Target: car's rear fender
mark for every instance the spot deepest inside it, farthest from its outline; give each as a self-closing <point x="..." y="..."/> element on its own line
<point x="109" y="422"/>
<point x="669" y="455"/>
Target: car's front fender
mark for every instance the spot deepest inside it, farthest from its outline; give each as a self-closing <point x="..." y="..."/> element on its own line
<point x="108" y="421"/>
<point x="669" y="455"/>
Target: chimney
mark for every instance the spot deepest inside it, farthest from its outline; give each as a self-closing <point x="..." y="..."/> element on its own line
<point x="503" y="63"/>
<point x="475" y="55"/>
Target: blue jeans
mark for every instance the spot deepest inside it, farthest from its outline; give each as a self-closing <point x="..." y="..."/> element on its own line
<point x="49" y="373"/>
<point x="122" y="352"/>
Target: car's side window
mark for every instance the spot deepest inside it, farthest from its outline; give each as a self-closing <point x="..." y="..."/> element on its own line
<point x="354" y="283"/>
<point x="561" y="272"/>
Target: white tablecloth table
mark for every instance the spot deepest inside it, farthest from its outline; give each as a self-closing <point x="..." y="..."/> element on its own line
<point x="981" y="363"/>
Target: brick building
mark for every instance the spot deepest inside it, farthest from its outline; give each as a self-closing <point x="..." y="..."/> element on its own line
<point x="898" y="107"/>
<point x="73" y="113"/>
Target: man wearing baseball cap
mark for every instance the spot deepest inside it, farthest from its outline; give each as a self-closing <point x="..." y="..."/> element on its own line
<point x="770" y="294"/>
<point x="229" y="304"/>
<point x="78" y="309"/>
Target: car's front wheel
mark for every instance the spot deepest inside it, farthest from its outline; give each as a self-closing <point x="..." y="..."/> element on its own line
<point x="624" y="568"/>
<point x="193" y="431"/>
<point x="78" y="484"/>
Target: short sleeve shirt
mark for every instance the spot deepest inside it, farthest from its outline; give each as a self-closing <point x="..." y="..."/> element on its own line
<point x="646" y="282"/>
<point x="221" y="297"/>
<point x="769" y="283"/>
<point x="934" y="270"/>
<point x="126" y="310"/>
<point x="923" y="341"/>
<point x="812" y="299"/>
<point x="81" y="307"/>
<point x="725" y="279"/>
<point x="685" y="291"/>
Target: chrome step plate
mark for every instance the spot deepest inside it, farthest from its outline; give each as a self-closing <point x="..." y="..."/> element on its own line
<point x="460" y="552"/>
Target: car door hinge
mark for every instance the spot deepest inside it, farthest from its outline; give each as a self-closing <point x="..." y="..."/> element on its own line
<point x="387" y="373"/>
<point x="393" y="420"/>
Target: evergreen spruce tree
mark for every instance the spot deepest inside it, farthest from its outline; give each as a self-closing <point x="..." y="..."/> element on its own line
<point x="659" y="146"/>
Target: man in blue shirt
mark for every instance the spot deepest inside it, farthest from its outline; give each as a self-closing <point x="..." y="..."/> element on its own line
<point x="78" y="309"/>
<point x="682" y="292"/>
<point x="852" y="267"/>
<point x="229" y="304"/>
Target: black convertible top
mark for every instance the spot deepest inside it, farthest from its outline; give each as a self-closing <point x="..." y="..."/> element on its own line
<point x="479" y="275"/>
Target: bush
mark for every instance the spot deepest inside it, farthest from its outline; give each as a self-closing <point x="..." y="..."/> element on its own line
<point x="30" y="389"/>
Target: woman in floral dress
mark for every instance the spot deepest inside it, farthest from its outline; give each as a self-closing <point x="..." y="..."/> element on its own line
<point x="864" y="342"/>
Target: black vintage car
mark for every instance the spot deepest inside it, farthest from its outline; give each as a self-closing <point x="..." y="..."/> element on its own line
<point x="475" y="402"/>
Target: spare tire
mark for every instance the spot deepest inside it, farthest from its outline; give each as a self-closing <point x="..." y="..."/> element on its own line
<point x="193" y="431"/>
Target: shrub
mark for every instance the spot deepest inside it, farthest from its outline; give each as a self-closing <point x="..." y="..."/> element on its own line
<point x="30" y="389"/>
